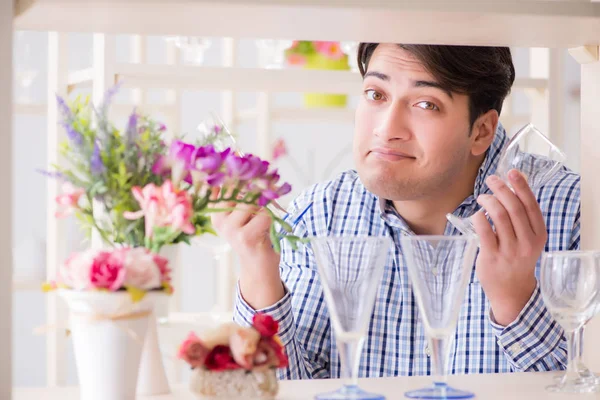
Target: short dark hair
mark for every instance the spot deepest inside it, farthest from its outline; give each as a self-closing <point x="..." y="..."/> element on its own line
<point x="484" y="74"/>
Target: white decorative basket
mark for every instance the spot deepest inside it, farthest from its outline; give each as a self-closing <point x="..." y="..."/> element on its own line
<point x="234" y="384"/>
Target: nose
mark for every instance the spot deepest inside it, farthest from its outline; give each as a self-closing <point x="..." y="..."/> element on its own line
<point x="393" y="124"/>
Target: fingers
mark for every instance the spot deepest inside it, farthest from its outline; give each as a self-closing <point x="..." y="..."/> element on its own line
<point x="241" y="215"/>
<point x="518" y="217"/>
<point x="529" y="201"/>
<point x="487" y="238"/>
<point x="502" y="222"/>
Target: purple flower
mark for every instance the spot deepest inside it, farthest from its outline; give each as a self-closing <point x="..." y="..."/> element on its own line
<point x="273" y="193"/>
<point x="162" y="128"/>
<point x="161" y="166"/>
<point x="74" y="137"/>
<point x="182" y="152"/>
<point x="96" y="164"/>
<point x="245" y="168"/>
<point x="108" y="96"/>
<point x="64" y="108"/>
<point x="50" y="174"/>
<point x="131" y="128"/>
<point x="180" y="159"/>
<point x="207" y="165"/>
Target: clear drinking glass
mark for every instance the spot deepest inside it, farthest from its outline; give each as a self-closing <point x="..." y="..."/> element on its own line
<point x="272" y="52"/>
<point x="584" y="372"/>
<point x="569" y="287"/>
<point x="439" y="268"/>
<point x="529" y="152"/>
<point x="350" y="270"/>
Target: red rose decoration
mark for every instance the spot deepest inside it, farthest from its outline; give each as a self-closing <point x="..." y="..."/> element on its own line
<point x="265" y="325"/>
<point x="220" y="359"/>
<point x="193" y="351"/>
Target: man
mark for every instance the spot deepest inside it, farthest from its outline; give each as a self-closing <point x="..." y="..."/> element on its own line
<point x="427" y="141"/>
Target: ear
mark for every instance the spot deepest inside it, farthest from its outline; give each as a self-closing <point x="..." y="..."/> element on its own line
<point x="483" y="131"/>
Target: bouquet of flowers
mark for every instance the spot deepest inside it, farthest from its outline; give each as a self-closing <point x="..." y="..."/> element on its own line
<point x="246" y="356"/>
<point x="301" y="51"/>
<point x="139" y="192"/>
<point x="136" y="270"/>
<point x="136" y="189"/>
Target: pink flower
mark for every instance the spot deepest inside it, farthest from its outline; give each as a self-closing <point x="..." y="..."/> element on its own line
<point x="75" y="272"/>
<point x="193" y="351"/>
<point x="163" y="206"/>
<point x="279" y="149"/>
<point x="296" y="59"/>
<point x="163" y="267"/>
<point x="142" y="271"/>
<point x="330" y="49"/>
<point x="108" y="270"/>
<point x="69" y="199"/>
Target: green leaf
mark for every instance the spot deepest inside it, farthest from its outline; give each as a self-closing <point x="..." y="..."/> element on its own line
<point x="274" y="239"/>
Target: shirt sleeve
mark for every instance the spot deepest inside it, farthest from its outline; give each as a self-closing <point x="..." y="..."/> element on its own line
<point x="304" y="326"/>
<point x="535" y="341"/>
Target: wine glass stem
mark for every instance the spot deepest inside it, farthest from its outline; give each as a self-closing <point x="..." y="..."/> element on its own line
<point x="439" y="354"/>
<point x="350" y="359"/>
<point x="579" y="344"/>
<point x="572" y="356"/>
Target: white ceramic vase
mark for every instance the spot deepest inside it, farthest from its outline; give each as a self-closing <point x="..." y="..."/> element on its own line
<point x="152" y="379"/>
<point x="108" y="332"/>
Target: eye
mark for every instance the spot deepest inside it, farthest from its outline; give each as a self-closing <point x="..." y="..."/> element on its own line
<point x="427" y="105"/>
<point x="373" y="95"/>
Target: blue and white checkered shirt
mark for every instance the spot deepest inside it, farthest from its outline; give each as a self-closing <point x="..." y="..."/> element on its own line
<point x="396" y="344"/>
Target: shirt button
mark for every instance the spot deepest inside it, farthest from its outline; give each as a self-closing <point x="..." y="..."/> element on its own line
<point x="515" y="348"/>
<point x="427" y="352"/>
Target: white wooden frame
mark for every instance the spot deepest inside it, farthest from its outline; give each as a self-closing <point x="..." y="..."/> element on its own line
<point x="6" y="10"/>
<point x="567" y="24"/>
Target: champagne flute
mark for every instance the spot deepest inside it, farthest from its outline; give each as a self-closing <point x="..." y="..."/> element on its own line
<point x="439" y="268"/>
<point x="350" y="271"/>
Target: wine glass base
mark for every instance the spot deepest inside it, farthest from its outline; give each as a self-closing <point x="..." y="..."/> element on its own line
<point x="349" y="393"/>
<point x="464" y="225"/>
<point x="577" y="386"/>
<point x="439" y="391"/>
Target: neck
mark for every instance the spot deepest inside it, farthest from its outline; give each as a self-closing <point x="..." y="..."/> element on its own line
<point x="427" y="215"/>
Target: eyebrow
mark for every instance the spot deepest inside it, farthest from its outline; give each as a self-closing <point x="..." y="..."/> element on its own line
<point x="433" y="84"/>
<point x="417" y="84"/>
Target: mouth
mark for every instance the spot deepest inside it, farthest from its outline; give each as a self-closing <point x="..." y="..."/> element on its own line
<point x="390" y="154"/>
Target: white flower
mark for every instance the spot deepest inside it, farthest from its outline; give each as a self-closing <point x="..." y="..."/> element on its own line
<point x="141" y="270"/>
<point x="75" y="272"/>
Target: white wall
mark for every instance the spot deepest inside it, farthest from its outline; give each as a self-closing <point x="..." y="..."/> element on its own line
<point x="310" y="144"/>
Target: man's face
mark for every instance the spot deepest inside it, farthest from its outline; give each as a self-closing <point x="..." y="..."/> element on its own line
<point x="411" y="137"/>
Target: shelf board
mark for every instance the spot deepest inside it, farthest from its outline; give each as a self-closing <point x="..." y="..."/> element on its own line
<point x="26" y="285"/>
<point x="527" y="23"/>
<point x="254" y="79"/>
<point x="301" y="114"/>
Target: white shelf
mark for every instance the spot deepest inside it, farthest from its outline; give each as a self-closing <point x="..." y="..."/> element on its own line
<point x="342" y="114"/>
<point x="254" y="79"/>
<point x="238" y="79"/>
<point x="514" y="386"/>
<point x="507" y="22"/>
<point x="26" y="285"/>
